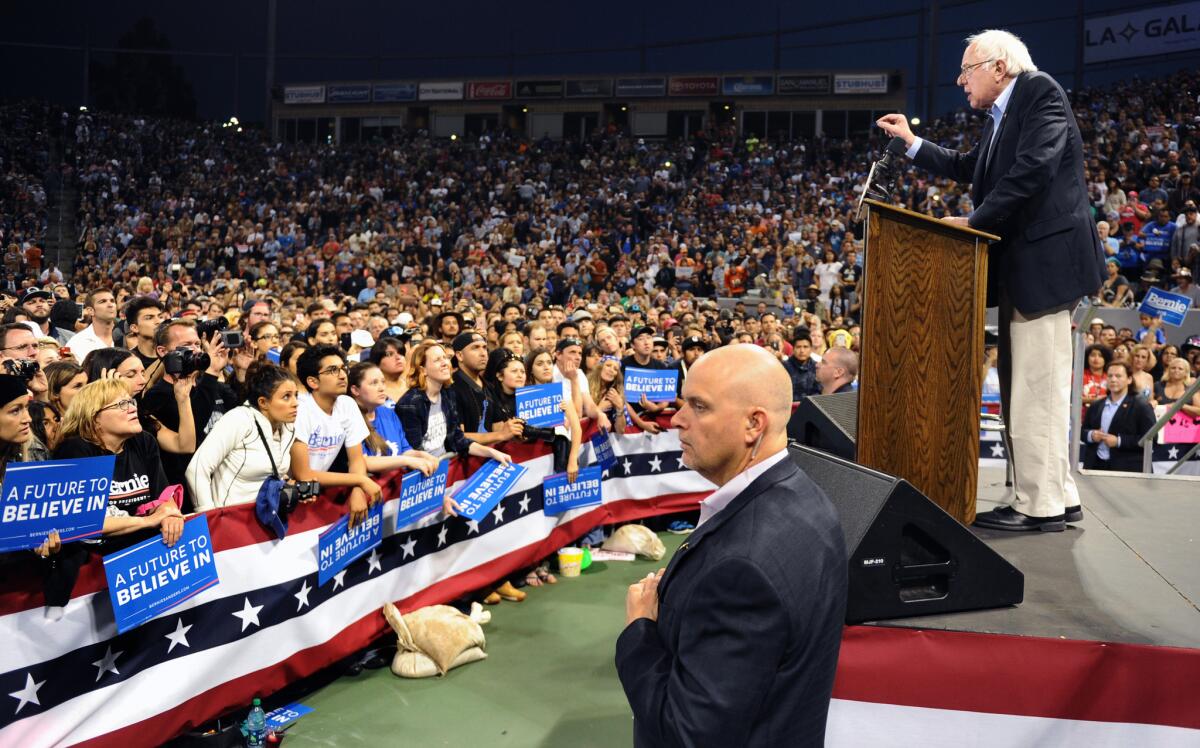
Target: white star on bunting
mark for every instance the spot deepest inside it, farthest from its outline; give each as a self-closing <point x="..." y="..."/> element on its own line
<point x="627" y="465"/>
<point x="442" y="535"/>
<point x="248" y="614"/>
<point x="179" y="635"/>
<point x="679" y="459"/>
<point x="997" y="450"/>
<point x="656" y="464"/>
<point x="472" y="526"/>
<point x="524" y="503"/>
<point x="499" y="513"/>
<point x="107" y="663"/>
<point x="28" y="694"/>
<point x="302" y="596"/>
<point x="1173" y="453"/>
<point x="410" y="548"/>
<point x="339" y="579"/>
<point x="373" y="564"/>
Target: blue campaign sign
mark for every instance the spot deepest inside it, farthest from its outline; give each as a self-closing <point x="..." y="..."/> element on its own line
<point x="70" y="496"/>
<point x="420" y="496"/>
<point x="602" y="448"/>
<point x="658" y="385"/>
<point x="483" y="491"/>
<point x="1169" y="307"/>
<point x="279" y="718"/>
<point x="339" y="546"/>
<point x="148" y="578"/>
<point x="561" y="495"/>
<point x="541" y="405"/>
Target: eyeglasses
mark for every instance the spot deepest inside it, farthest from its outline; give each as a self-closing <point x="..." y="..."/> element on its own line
<point x="274" y="336"/>
<point x="25" y="347"/>
<point x="127" y="404"/>
<point x="966" y="69"/>
<point x="334" y="370"/>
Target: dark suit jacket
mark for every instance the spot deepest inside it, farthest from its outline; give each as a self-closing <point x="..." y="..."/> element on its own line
<point x="1133" y="419"/>
<point x="749" y="625"/>
<point x="1033" y="196"/>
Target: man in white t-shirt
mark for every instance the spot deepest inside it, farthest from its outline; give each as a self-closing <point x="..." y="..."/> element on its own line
<point x="102" y="332"/>
<point x="326" y="421"/>
<point x="568" y="354"/>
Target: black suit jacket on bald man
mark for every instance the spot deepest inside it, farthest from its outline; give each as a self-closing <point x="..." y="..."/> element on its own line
<point x="1032" y="194"/>
<point x="749" y="624"/>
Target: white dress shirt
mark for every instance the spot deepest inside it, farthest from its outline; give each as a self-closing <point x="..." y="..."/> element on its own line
<point x="720" y="498"/>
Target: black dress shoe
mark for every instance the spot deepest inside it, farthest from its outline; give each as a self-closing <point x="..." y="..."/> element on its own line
<point x="1074" y="513"/>
<point x="1007" y="518"/>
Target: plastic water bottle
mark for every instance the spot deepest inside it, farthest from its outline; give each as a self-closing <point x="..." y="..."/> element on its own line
<point x="256" y="726"/>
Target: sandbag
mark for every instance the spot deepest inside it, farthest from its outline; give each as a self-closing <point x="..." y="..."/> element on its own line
<point x="440" y="634"/>
<point x="637" y="539"/>
<point x="418" y="665"/>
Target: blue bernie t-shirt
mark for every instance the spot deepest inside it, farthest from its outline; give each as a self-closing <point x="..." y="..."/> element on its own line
<point x="387" y="424"/>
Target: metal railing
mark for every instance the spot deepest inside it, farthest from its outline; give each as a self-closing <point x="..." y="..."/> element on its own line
<point x="1147" y="441"/>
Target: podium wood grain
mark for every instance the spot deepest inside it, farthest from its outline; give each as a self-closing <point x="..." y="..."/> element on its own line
<point x="920" y="373"/>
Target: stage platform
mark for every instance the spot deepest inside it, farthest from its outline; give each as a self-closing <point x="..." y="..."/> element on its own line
<point x="1128" y="573"/>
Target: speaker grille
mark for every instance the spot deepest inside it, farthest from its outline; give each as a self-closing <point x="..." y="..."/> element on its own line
<point x="842" y="410"/>
<point x="857" y="493"/>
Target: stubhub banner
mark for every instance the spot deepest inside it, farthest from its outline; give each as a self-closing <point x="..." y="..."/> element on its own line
<point x="148" y="578"/>
<point x="70" y="496"/>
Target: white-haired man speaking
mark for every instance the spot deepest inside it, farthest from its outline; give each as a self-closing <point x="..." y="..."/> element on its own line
<point x="1027" y="183"/>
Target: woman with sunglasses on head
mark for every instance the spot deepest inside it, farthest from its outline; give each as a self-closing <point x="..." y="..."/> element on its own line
<point x="103" y="420"/>
<point x="385" y="447"/>
<point x="123" y="366"/>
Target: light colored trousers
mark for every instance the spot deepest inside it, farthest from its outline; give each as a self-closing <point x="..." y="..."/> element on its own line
<point x="1035" y="369"/>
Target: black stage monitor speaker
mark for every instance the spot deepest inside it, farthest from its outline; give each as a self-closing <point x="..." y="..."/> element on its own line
<point x="827" y="422"/>
<point x="907" y="556"/>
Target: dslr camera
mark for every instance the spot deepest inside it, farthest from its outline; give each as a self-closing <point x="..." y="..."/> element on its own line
<point x="184" y="362"/>
<point x="23" y="368"/>
<point x="291" y="494"/>
<point x="233" y="339"/>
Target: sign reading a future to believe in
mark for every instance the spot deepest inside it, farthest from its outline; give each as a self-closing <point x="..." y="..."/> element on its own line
<point x="341" y="544"/>
<point x="148" y="578"/>
<point x="67" y="496"/>
<point x="420" y="496"/>
<point x="484" y="490"/>
<point x="541" y="405"/>
<point x="658" y="385"/>
<point x="561" y="494"/>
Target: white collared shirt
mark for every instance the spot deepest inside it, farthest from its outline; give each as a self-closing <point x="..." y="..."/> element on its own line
<point x="720" y="498"/>
<point x="996" y="112"/>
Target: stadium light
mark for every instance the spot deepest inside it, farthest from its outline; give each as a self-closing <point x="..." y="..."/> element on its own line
<point x="453" y="136"/>
<point x="524" y="110"/>
<point x="234" y="121"/>
<point x="667" y="164"/>
<point x="83" y="108"/>
<point x="727" y="107"/>
<point x="916" y="120"/>
<point x="624" y="108"/>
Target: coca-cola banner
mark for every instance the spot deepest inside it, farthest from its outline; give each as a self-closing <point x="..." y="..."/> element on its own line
<point x="694" y="86"/>
<point x="489" y="90"/>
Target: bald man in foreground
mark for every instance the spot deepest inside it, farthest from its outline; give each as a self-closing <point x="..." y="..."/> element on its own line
<point x="736" y="642"/>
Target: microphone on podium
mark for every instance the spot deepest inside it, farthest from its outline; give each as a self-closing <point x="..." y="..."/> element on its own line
<point x="881" y="180"/>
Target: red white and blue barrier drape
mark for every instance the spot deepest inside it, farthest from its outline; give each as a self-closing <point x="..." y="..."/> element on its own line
<point x="268" y="623"/>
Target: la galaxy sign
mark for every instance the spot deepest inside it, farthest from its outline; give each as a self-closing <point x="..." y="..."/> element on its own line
<point x="1155" y="31"/>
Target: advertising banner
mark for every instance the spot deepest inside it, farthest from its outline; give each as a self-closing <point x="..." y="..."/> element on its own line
<point x="1140" y="33"/>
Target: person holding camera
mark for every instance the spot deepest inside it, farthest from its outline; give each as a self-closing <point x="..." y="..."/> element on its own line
<point x="124" y="366"/>
<point x="327" y="422"/>
<point x="251" y="443"/>
<point x="178" y="344"/>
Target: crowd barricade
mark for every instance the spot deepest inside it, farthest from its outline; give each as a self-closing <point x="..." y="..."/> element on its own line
<point x="268" y="623"/>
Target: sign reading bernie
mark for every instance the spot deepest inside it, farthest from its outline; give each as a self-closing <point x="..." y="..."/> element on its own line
<point x="148" y="578"/>
<point x="340" y="545"/>
<point x="658" y="385"/>
<point x="67" y="496"/>
<point x="420" y="496"/>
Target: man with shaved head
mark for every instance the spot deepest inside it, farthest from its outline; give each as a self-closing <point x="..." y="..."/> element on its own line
<point x="736" y="641"/>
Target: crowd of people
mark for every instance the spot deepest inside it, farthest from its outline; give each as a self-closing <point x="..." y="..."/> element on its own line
<point x="241" y="310"/>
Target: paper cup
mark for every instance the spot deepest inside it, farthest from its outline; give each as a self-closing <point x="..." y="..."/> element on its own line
<point x="570" y="562"/>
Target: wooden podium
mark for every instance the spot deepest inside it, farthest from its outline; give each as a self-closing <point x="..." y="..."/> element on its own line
<point x="921" y="367"/>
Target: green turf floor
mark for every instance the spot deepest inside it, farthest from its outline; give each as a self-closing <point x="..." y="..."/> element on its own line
<point x="549" y="679"/>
